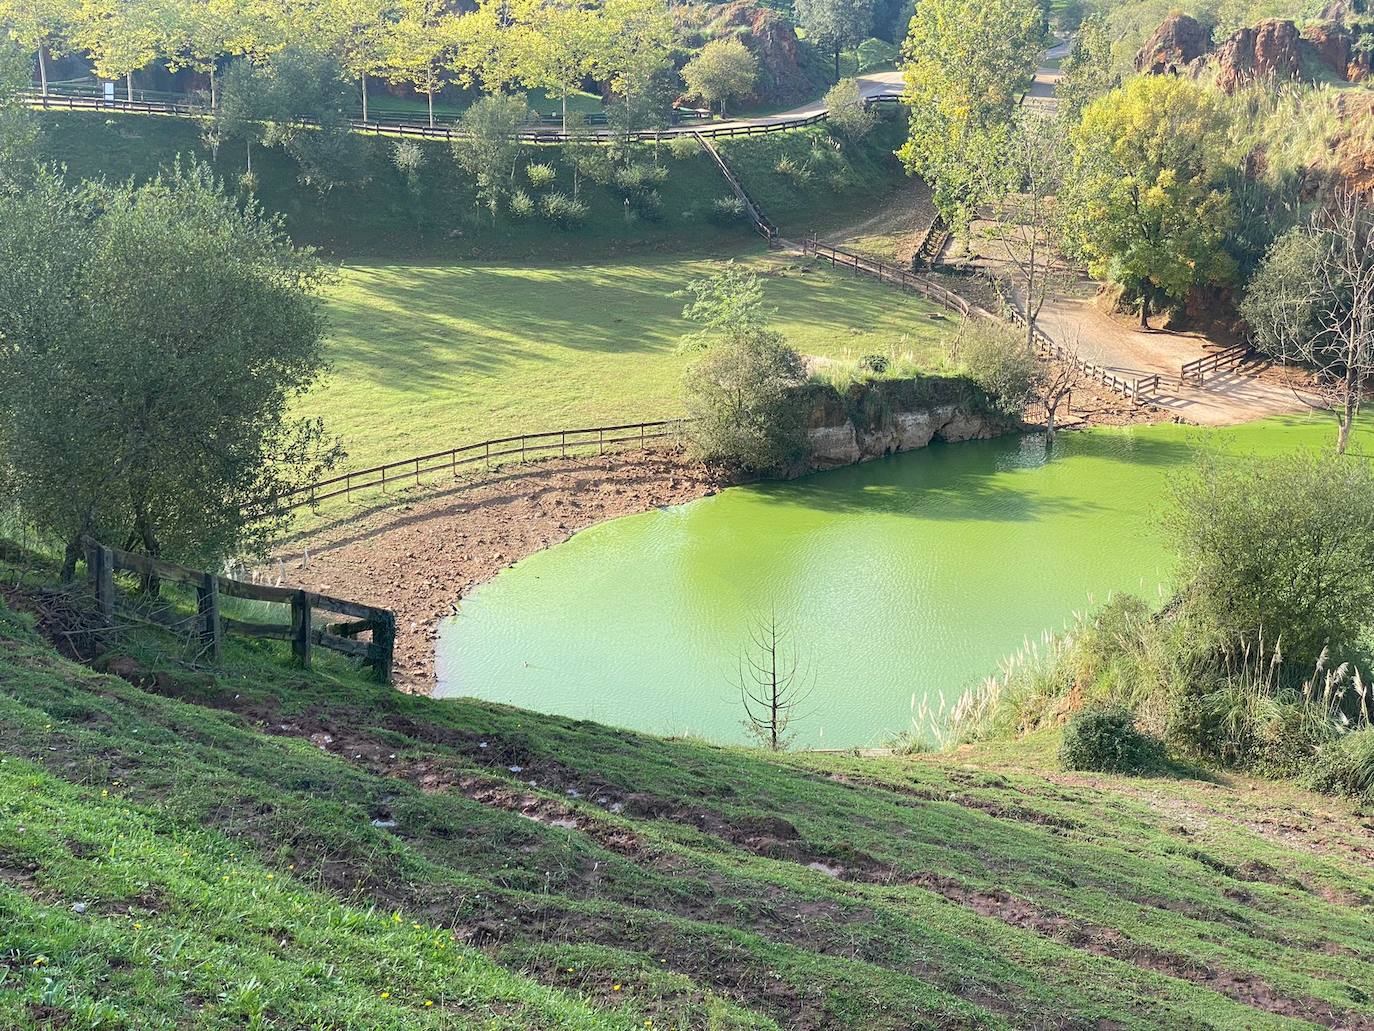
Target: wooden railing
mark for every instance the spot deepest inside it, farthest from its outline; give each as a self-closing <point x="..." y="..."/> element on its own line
<point x="103" y="562"/>
<point x="762" y="225"/>
<point x="932" y="243"/>
<point x="1139" y="388"/>
<point x="183" y="109"/>
<point x="894" y="275"/>
<point x="1197" y="369"/>
<point x="407" y="472"/>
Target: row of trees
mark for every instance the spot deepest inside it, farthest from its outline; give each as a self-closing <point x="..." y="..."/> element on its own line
<point x="551" y="45"/>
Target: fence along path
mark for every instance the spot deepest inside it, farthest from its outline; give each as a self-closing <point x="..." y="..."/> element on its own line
<point x="1137" y="389"/>
<point x="422" y="130"/>
<point x="407" y="472"/>
<point x="340" y="636"/>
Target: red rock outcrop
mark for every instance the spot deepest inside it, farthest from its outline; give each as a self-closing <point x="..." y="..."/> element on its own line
<point x="1179" y="41"/>
<point x="785" y="72"/>
<point x="1270" y="50"/>
<point x="1329" y="42"/>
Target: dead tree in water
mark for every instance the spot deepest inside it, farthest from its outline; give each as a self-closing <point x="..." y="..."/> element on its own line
<point x="771" y="685"/>
<point x="1055" y="385"/>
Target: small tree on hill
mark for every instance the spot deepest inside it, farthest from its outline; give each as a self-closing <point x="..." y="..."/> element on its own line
<point x="724" y="70"/>
<point x="1312" y="301"/>
<point x="488" y="148"/>
<point x="847" y="113"/>
<point x="771" y="684"/>
<point x="162" y="333"/>
<point x="836" y="25"/>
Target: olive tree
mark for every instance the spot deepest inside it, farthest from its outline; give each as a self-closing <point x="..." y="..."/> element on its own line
<point x="1312" y="300"/>
<point x="159" y="335"/>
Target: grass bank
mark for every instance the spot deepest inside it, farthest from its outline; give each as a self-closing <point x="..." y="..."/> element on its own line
<point x="429" y="356"/>
<point x="434" y="213"/>
<point x="250" y="845"/>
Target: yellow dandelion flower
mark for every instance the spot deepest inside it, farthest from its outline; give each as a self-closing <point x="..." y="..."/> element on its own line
<point x="269" y="877"/>
<point x="429" y="1002"/>
<point x="385" y="995"/>
<point x="615" y="987"/>
<point x="39" y="960"/>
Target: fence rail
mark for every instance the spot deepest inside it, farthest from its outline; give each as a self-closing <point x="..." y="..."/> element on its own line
<point x="1198" y="368"/>
<point x="893" y="274"/>
<point x="103" y="562"/>
<point x="407" y="472"/>
<point x="1138" y="388"/>
<point x="422" y="130"/>
<point x="762" y="224"/>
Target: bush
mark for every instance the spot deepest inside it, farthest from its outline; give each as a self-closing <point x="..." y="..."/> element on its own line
<point x="849" y="115"/>
<point x="875" y="363"/>
<point x="1105" y="739"/>
<point x="727" y="210"/>
<point x="800" y="175"/>
<point x="741" y="398"/>
<point x="1346" y="766"/>
<point x="562" y="210"/>
<point x="541" y="176"/>
<point x="521" y="204"/>
<point x="683" y="147"/>
<point x="1282" y="546"/>
<point x="408" y="157"/>
<point x="999" y="359"/>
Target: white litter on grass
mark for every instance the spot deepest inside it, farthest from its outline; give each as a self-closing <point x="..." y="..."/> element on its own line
<point x="384" y="824"/>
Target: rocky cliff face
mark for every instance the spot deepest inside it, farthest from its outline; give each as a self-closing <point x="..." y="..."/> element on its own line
<point x="883" y="418"/>
<point x="787" y="72"/>
<point x="1274" y="50"/>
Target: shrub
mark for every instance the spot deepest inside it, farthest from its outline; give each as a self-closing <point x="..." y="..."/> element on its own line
<point x="683" y="147"/>
<point x="999" y="359"/>
<point x="562" y="210"/>
<point x="727" y="210"/>
<point x="849" y="115"/>
<point x="1346" y="766"/>
<point x="798" y="174"/>
<point x="408" y="157"/>
<point x="1105" y="739"/>
<point x="541" y="176"/>
<point x="741" y="398"/>
<point x="521" y="204"/>
<point x="875" y="363"/>
<point x="1282" y="546"/>
<point x="639" y="177"/>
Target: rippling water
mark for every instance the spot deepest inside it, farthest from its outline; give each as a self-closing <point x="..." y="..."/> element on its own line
<point x="898" y="580"/>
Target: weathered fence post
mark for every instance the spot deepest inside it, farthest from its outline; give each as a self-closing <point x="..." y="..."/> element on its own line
<point x="300" y="628"/>
<point x="384" y="644"/>
<point x="207" y="603"/>
<point x="104" y="583"/>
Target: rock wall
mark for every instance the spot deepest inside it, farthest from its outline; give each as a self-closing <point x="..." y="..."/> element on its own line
<point x="872" y="420"/>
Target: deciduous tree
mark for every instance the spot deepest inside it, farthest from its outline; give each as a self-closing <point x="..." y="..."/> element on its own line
<point x="723" y="70"/>
<point x="43" y="27"/>
<point x="121" y="36"/>
<point x="488" y="148"/>
<point x="1145" y="202"/>
<point x="836" y="25"/>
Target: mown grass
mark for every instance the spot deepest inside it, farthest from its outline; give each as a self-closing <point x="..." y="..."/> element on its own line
<point x="426" y="357"/>
<point x="717" y="887"/>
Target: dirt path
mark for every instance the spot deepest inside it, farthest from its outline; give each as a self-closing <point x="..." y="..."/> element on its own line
<point x="420" y="557"/>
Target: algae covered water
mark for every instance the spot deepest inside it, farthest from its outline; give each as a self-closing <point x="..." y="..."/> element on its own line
<point x="896" y="580"/>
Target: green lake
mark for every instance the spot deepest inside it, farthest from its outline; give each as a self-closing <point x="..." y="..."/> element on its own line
<point x="898" y="580"/>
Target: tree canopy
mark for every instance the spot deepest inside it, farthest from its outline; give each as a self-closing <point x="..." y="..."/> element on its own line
<point x="724" y="70"/>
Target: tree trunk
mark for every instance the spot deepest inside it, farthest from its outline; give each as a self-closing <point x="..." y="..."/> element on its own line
<point x="1144" y="311"/>
<point x="129" y="84"/>
<point x="43" y="67"/>
<point x="430" y="94"/>
<point x="214" y="91"/>
<point x="565" y="111"/>
<point x="69" y="558"/>
<point x="837" y="62"/>
<point x="248" y="143"/>
<point x="364" y="94"/>
<point x="1348" y="410"/>
<point x="1049" y="422"/>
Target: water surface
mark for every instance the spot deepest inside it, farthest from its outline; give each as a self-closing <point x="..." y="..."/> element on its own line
<point x="898" y="580"/>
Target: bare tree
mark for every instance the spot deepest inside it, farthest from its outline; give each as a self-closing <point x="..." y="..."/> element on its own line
<point x="1312" y="301"/>
<point x="1055" y="385"/>
<point x="1028" y="225"/>
<point x="771" y="683"/>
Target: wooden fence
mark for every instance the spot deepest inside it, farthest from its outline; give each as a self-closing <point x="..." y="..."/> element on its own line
<point x="407" y="472"/>
<point x="1139" y="388"/>
<point x="211" y="625"/>
<point x="762" y="225"/>
<point x="894" y="275"/>
<point x="1197" y="369"/>
<point x="422" y="130"/>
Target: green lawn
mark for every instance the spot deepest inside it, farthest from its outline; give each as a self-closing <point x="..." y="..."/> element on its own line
<point x="260" y="847"/>
<point x="429" y="356"/>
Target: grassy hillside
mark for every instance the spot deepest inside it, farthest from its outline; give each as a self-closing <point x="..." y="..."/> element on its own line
<point x="254" y="846"/>
<point x="428" y="356"/>
<point x="436" y="216"/>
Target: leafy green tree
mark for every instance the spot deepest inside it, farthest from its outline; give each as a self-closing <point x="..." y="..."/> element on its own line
<point x="42" y="27"/>
<point x="723" y="70"/>
<point x="741" y="398"/>
<point x="847" y="113"/>
<point x="967" y="62"/>
<point x="359" y="29"/>
<point x="728" y="305"/>
<point x="1088" y="70"/>
<point x="1280" y="546"/>
<point x="199" y="35"/>
<point x="424" y="47"/>
<point x="18" y="127"/>
<point x="488" y="149"/>
<point x="635" y="60"/>
<point x="560" y="45"/>
<point x="836" y="25"/>
<point x="157" y="404"/>
<point x="1001" y="361"/>
<point x="121" y="36"/>
<point x="1145" y="200"/>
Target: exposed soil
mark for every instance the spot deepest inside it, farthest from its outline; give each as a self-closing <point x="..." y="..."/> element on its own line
<point x="420" y="557"/>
